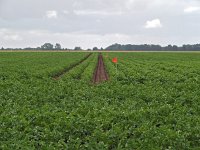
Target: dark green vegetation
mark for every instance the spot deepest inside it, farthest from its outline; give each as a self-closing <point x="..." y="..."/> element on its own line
<point x="153" y="47"/>
<point x="154" y="103"/>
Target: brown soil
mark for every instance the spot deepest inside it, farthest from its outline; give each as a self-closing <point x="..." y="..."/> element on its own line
<point x="62" y="72"/>
<point x="100" y="73"/>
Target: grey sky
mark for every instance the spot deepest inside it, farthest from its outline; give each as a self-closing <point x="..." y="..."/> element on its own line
<point x="89" y="23"/>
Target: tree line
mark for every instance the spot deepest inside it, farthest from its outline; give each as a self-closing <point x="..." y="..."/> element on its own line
<point x="50" y="46"/>
<point x="152" y="47"/>
<point x="117" y="47"/>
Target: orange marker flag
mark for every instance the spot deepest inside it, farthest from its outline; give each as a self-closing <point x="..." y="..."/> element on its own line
<point x="114" y="60"/>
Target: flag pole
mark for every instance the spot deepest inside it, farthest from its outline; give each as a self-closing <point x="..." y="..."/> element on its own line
<point x="114" y="60"/>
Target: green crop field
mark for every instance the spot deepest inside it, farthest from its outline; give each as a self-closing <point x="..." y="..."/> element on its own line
<point x="151" y="102"/>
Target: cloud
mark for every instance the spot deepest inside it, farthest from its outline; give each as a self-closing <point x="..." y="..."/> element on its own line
<point x="96" y="12"/>
<point x="51" y="14"/>
<point x="9" y="35"/>
<point x="153" y="24"/>
<point x="192" y="9"/>
<point x="13" y="37"/>
<point x="66" y="12"/>
<point x="34" y="38"/>
<point x="98" y="20"/>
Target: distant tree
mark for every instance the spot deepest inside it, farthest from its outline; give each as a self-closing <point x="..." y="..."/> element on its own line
<point x="95" y="49"/>
<point x="47" y="46"/>
<point x="102" y="48"/>
<point x="184" y="47"/>
<point x="169" y="47"/>
<point x="88" y="49"/>
<point x="38" y="48"/>
<point x="197" y="47"/>
<point x="2" y="48"/>
<point x="114" y="47"/>
<point x="143" y="47"/>
<point x="28" y="48"/>
<point x="175" y="48"/>
<point x="58" y="46"/>
<point x="77" y="48"/>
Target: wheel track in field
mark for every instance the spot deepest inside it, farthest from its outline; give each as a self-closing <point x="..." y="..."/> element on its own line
<point x="100" y="73"/>
<point x="58" y="75"/>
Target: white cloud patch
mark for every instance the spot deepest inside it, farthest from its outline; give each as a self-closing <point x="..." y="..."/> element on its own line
<point x="66" y="12"/>
<point x="51" y="14"/>
<point x="37" y="32"/>
<point x="192" y="9"/>
<point x="153" y="24"/>
<point x="9" y="35"/>
<point x="129" y="3"/>
<point x="96" y="12"/>
<point x="14" y="37"/>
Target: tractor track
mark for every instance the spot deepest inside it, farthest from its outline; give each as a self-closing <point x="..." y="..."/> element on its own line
<point x="65" y="70"/>
<point x="100" y="73"/>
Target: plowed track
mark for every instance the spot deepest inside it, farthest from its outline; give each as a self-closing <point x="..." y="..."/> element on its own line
<point x="100" y="73"/>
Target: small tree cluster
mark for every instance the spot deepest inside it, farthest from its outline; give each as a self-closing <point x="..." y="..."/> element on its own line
<point x="49" y="46"/>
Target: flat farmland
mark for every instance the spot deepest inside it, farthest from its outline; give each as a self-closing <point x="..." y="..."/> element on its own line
<point x="49" y="101"/>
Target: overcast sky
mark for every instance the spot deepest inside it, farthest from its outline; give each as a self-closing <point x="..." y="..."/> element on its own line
<point x="89" y="23"/>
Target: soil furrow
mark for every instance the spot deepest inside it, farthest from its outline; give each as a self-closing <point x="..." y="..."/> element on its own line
<point x="100" y="73"/>
<point x="65" y="70"/>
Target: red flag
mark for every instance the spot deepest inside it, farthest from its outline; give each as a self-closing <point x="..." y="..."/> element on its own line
<point x="114" y="60"/>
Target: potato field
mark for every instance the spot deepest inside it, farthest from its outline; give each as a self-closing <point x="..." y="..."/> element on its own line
<point x="60" y="100"/>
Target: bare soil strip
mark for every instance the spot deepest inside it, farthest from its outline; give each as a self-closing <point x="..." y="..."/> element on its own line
<point x="65" y="70"/>
<point x="100" y="73"/>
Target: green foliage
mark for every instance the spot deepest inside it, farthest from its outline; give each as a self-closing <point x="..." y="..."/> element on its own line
<point x="47" y="46"/>
<point x="58" y="46"/>
<point x="152" y="103"/>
